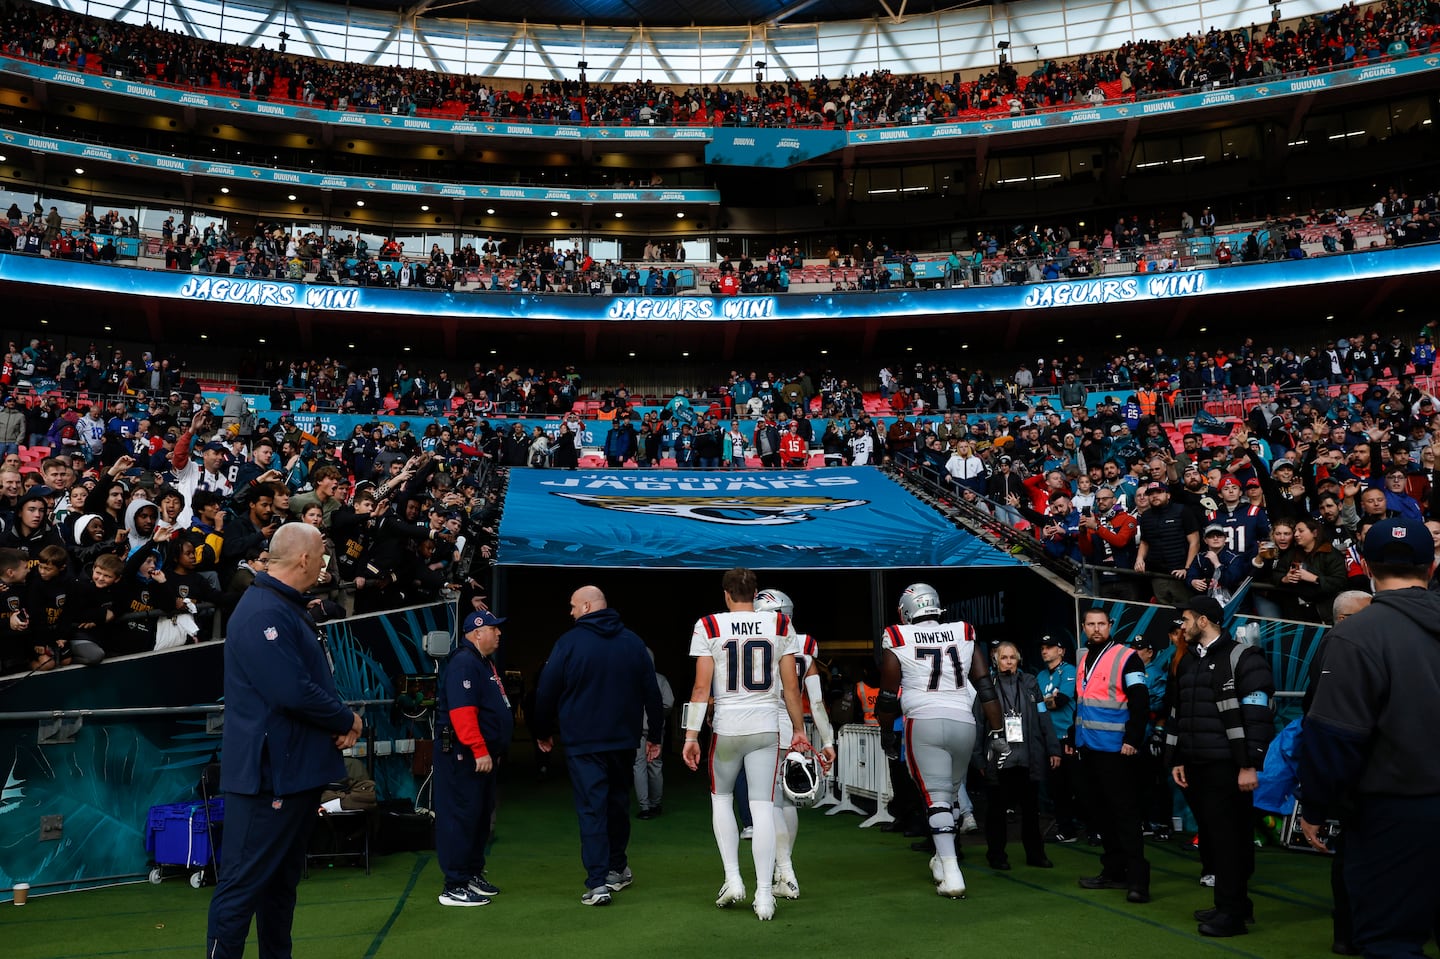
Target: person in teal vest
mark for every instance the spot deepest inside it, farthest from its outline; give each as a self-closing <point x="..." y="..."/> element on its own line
<point x="1057" y="685"/>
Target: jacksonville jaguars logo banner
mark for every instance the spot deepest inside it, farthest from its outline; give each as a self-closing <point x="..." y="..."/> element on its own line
<point x="854" y="518"/>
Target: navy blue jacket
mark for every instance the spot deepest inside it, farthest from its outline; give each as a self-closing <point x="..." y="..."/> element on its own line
<point x="470" y="680"/>
<point x="281" y="709"/>
<point x="597" y="680"/>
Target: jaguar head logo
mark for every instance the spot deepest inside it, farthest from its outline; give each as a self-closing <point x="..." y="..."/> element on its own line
<point x="727" y="510"/>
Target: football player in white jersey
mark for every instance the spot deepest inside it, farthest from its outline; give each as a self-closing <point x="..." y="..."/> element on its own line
<point x="942" y="671"/>
<point x="739" y="657"/>
<point x="787" y="817"/>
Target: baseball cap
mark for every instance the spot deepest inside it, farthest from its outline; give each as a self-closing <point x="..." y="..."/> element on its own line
<point x="1048" y="640"/>
<point x="1157" y="632"/>
<point x="1282" y="465"/>
<point x="1209" y="606"/>
<point x="37" y="492"/>
<point x="216" y="447"/>
<point x="1214" y="528"/>
<point x="1157" y="487"/>
<point x="1228" y="481"/>
<point x="1251" y="483"/>
<point x="1403" y="541"/>
<point x="482" y="617"/>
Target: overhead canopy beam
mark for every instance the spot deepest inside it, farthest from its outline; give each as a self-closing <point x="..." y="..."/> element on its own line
<point x="790" y="11"/>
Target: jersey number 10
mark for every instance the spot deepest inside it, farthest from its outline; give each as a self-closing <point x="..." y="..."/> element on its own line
<point x="759" y="672"/>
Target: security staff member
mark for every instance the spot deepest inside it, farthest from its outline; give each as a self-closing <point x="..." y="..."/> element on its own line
<point x="1112" y="705"/>
<point x="1219" y="727"/>
<point x="1057" y="685"/>
<point x="1154" y="647"/>
<point x="472" y="734"/>
<point x="1369" y="745"/>
<point x="284" y="729"/>
<point x="865" y="696"/>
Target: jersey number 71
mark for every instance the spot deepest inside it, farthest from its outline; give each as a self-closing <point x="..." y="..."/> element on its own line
<point x="937" y="667"/>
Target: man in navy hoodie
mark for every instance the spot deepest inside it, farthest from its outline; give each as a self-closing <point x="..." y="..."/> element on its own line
<point x="598" y="682"/>
<point x="284" y="728"/>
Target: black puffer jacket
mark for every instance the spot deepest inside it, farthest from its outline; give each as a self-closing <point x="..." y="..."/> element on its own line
<point x="1208" y="705"/>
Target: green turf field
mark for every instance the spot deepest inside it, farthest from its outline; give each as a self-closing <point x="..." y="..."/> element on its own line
<point x="863" y="893"/>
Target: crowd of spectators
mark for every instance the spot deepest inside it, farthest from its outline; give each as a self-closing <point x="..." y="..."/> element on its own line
<point x="499" y="390"/>
<point x="150" y="502"/>
<point x="150" y="511"/>
<point x="268" y="251"/>
<point x="1037" y="254"/>
<point x="1346" y="35"/>
<point x="1272" y="502"/>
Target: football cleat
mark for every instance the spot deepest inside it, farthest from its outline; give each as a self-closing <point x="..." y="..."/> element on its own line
<point x="786" y="885"/>
<point x="764" y="906"/>
<point x="968" y="823"/>
<point x="732" y="892"/>
<point x="952" y="882"/>
<point x="937" y="872"/>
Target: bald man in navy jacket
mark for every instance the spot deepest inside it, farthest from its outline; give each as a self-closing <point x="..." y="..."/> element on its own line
<point x="284" y="728"/>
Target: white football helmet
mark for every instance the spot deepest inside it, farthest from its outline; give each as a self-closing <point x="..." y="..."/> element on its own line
<point x="919" y="601"/>
<point x="801" y="778"/>
<point x="773" y="601"/>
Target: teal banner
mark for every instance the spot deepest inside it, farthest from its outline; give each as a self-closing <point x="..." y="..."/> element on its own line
<point x="55" y="146"/>
<point x="769" y="146"/>
<point x="101" y="776"/>
<point x="852" y="518"/>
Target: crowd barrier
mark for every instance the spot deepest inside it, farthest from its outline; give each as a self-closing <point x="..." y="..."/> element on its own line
<point x="862" y="770"/>
<point x="158" y="709"/>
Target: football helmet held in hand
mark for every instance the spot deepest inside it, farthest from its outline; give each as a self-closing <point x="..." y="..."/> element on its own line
<point x="801" y="778"/>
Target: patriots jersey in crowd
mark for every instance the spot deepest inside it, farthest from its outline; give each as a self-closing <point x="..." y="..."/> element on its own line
<point x="1245" y="528"/>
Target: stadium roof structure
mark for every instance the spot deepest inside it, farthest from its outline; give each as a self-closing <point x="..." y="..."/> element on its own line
<point x="678" y="13"/>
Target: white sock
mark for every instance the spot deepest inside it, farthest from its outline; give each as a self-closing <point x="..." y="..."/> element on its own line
<point x="727" y="834"/>
<point x="762" y="844"/>
<point x="787" y="824"/>
<point x="942" y="819"/>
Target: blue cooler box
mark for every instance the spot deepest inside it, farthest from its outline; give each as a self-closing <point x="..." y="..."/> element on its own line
<point x="179" y="834"/>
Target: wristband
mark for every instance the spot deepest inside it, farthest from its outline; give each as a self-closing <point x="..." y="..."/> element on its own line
<point x="692" y="716"/>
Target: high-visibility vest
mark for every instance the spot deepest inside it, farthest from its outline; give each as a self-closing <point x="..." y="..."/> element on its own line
<point x="1148" y="401"/>
<point x="867" y="696"/>
<point x="1101" y="706"/>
